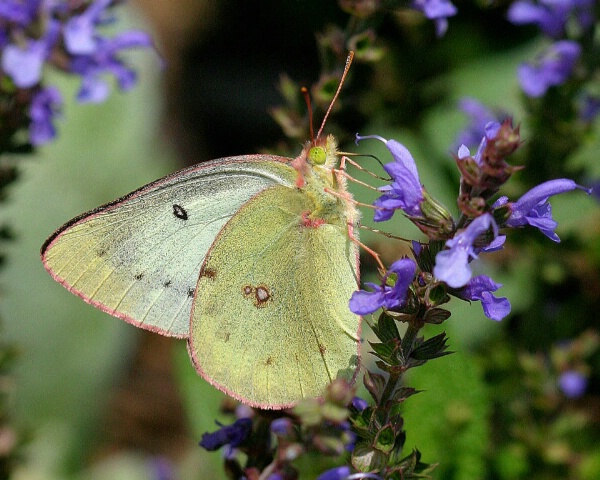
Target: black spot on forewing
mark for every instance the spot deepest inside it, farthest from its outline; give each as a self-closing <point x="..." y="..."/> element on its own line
<point x="180" y="212"/>
<point x="139" y="276"/>
<point x="167" y="284"/>
<point x="190" y="292"/>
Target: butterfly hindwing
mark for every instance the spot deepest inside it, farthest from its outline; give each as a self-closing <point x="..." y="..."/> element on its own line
<point x="270" y="322"/>
<point x="138" y="258"/>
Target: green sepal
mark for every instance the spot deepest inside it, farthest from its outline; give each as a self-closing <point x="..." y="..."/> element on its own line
<point x="365" y="458"/>
<point x="385" y="439"/>
<point x="432" y="348"/>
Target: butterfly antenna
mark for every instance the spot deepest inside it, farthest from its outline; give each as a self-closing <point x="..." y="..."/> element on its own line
<point x="346" y="68"/>
<point x="306" y="96"/>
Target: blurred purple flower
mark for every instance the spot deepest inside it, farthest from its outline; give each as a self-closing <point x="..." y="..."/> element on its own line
<point x="479" y="117"/>
<point x="481" y="288"/>
<point x="282" y="427"/>
<point x="533" y="207"/>
<point x="359" y="403"/>
<point x="363" y="302"/>
<point x="452" y="265"/>
<point x="232" y="435"/>
<point x="405" y="192"/>
<point x="438" y="11"/>
<point x="589" y="108"/>
<point x="24" y="65"/>
<point x="336" y="473"/>
<point x="553" y="68"/>
<point x="19" y="12"/>
<point x="104" y="60"/>
<point x="572" y="383"/>
<point x="44" y="106"/>
<point x="79" y="31"/>
<point x="551" y="16"/>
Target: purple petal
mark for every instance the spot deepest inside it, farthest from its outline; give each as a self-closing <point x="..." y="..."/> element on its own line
<point x="573" y="384"/>
<point x="24" y="66"/>
<point x="363" y="302"/>
<point x="495" y="308"/>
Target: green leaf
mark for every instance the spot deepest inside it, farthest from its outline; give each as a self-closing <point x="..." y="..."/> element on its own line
<point x="385" y="439"/>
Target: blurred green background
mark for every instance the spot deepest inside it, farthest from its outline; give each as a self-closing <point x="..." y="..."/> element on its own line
<point x="95" y="398"/>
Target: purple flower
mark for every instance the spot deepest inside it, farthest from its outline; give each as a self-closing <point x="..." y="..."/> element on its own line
<point x="44" y="106"/>
<point x="479" y="117"/>
<point x="405" y="192"/>
<point x="337" y="473"/>
<point x="363" y="302"/>
<point x="438" y="11"/>
<point x="359" y="403"/>
<point x="553" y="68"/>
<point x="551" y="16"/>
<point x="104" y="60"/>
<point x="452" y="265"/>
<point x="79" y="32"/>
<point x="533" y="207"/>
<point x="572" y="383"/>
<point x="481" y="288"/>
<point x="24" y="65"/>
<point x="282" y="427"/>
<point x="589" y="108"/>
<point x="232" y="435"/>
<point x="19" y="12"/>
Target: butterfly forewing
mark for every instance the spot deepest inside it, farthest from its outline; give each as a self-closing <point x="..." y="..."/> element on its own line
<point x="270" y="322"/>
<point x="138" y="258"/>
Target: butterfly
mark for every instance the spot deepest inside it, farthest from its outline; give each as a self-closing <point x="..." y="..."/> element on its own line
<point x="252" y="259"/>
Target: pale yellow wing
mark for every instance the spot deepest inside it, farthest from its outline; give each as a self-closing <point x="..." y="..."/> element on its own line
<point x="271" y="323"/>
<point x="138" y="258"/>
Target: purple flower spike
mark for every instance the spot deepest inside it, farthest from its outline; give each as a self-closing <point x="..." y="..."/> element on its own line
<point x="533" y="207"/>
<point x="79" y="32"/>
<point x="405" y="193"/>
<point x="44" y="106"/>
<point x="551" y="16"/>
<point x="438" y="11"/>
<point x="452" y="265"/>
<point x="572" y="383"/>
<point x="481" y="288"/>
<point x="24" y="65"/>
<point x="104" y="60"/>
<point x="232" y="435"/>
<point x="553" y="68"/>
<point x="364" y="302"/>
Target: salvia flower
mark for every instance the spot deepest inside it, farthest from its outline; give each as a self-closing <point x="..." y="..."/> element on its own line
<point x="405" y="193"/>
<point x="45" y="105"/>
<point x="572" y="383"/>
<point x="551" y="16"/>
<point x="552" y="68"/>
<point x="36" y="34"/>
<point x="481" y="288"/>
<point x="452" y="265"/>
<point x="533" y="207"/>
<point x="232" y="435"/>
<point x="479" y="116"/>
<point x="364" y="302"/>
<point x="438" y="11"/>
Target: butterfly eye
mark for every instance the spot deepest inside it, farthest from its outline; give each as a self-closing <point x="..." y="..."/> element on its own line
<point x="317" y="155"/>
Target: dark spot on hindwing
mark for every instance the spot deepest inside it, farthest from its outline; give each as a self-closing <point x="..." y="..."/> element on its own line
<point x="260" y="294"/>
<point x="167" y="284"/>
<point x="191" y="292"/>
<point x="209" y="273"/>
<point x="180" y="212"/>
<point x="139" y="276"/>
<point x="269" y="361"/>
<point x="101" y="253"/>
